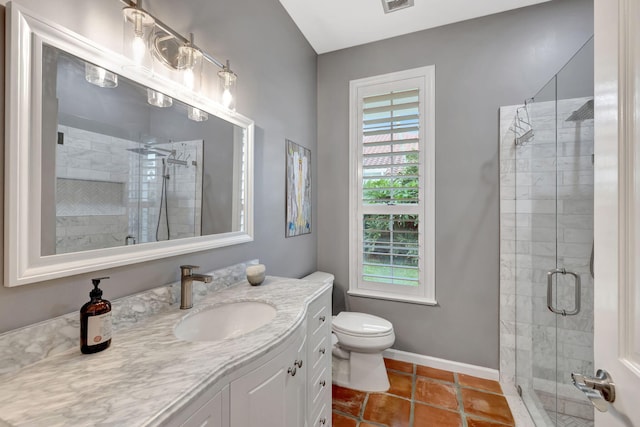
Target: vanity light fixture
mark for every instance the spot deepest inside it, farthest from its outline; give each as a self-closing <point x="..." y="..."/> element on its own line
<point x="174" y="51"/>
<point x="99" y="76"/>
<point x="228" y="86"/>
<point x="141" y="22"/>
<point x="190" y="63"/>
<point x="158" y="99"/>
<point x="196" y="114"/>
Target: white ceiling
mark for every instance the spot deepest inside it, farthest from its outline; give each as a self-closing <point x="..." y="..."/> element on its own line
<point x="336" y="24"/>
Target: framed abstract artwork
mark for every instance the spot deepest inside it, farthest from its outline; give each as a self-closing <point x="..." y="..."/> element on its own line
<point x="298" y="216"/>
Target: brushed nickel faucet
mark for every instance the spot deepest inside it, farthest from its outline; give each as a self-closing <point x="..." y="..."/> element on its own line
<point x="186" y="284"/>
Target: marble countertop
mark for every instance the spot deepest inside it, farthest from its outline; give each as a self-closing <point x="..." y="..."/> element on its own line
<point x="148" y="374"/>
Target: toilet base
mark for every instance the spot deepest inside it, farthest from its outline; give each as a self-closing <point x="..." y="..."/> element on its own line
<point x="362" y="371"/>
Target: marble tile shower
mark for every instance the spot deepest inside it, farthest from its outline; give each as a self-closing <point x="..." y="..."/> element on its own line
<point x="547" y="223"/>
<point x="105" y="191"/>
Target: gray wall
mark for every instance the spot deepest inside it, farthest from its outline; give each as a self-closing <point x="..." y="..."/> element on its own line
<point x="276" y="88"/>
<point x="481" y="64"/>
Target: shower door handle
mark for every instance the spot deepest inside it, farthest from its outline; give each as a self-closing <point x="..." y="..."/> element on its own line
<point x="550" y="306"/>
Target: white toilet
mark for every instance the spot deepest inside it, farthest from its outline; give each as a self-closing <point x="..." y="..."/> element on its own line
<point x="358" y="342"/>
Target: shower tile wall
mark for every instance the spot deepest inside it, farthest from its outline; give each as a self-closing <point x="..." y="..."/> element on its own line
<point x="105" y="192"/>
<point x="92" y="171"/>
<point x="532" y="176"/>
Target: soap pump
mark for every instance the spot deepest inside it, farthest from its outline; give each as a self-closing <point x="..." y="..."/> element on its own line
<point x="95" y="321"/>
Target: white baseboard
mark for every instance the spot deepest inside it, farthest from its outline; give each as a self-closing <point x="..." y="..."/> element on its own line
<point x="447" y="365"/>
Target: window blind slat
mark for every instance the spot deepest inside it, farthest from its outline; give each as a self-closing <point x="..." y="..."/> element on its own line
<point x="395" y="130"/>
<point x="371" y="190"/>
<point x="392" y="154"/>
<point x="407" y="118"/>
<point x="390" y="176"/>
<point x="387" y="108"/>
<point x="391" y="96"/>
<point x="390" y="143"/>
<point x="405" y="256"/>
<point x="404" y="202"/>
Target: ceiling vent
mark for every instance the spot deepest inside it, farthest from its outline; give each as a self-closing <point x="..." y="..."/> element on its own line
<point x="393" y="5"/>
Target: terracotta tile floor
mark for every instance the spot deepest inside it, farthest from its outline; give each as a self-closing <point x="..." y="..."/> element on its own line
<point x="423" y="397"/>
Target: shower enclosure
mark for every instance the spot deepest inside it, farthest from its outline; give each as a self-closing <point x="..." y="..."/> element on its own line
<point x="133" y="193"/>
<point x="547" y="244"/>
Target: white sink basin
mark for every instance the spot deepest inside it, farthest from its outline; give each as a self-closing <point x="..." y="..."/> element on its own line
<point x="225" y="321"/>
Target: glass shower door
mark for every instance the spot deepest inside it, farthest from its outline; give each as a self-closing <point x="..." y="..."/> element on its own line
<point x="536" y="256"/>
<point x="554" y="244"/>
<point x="575" y="138"/>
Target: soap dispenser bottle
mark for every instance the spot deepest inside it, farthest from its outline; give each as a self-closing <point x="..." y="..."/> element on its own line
<point x="95" y="321"/>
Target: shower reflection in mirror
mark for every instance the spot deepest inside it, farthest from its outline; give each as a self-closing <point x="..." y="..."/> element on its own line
<point x="128" y="170"/>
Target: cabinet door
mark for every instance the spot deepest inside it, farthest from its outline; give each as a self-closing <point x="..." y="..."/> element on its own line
<point x="296" y="399"/>
<point x="272" y="395"/>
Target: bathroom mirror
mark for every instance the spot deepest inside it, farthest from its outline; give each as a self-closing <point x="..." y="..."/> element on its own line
<point x="108" y="164"/>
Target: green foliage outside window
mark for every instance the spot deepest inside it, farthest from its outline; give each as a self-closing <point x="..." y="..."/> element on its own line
<point x="393" y="239"/>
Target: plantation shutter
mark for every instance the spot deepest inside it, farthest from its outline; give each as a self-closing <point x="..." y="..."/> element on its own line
<point x="391" y="188"/>
<point x="390" y="148"/>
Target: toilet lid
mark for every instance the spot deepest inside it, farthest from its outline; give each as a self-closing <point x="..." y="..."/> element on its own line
<point x="361" y="324"/>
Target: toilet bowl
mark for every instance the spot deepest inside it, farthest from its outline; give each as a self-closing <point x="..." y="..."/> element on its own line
<point x="358" y="342"/>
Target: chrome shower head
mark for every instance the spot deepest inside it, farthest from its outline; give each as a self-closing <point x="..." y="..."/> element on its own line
<point x="583" y="113"/>
<point x="146" y="151"/>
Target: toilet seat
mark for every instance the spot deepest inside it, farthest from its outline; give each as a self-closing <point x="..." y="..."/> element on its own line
<point x="361" y="325"/>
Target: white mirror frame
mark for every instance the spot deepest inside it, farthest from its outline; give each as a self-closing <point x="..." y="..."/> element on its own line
<point x="23" y="262"/>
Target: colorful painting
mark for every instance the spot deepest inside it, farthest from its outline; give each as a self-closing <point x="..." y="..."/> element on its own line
<point x="298" y="190"/>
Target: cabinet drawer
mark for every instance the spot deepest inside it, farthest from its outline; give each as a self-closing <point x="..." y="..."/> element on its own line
<point x="319" y="315"/>
<point x="323" y="333"/>
<point x="323" y="417"/>
<point x="319" y="387"/>
<point x="319" y="353"/>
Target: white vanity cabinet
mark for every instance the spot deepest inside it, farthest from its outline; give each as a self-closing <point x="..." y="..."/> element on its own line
<point x="319" y="358"/>
<point x="273" y="395"/>
<point x="290" y="389"/>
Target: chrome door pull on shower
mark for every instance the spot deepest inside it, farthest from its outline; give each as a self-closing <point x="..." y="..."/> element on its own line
<point x="599" y="389"/>
<point x="577" y="287"/>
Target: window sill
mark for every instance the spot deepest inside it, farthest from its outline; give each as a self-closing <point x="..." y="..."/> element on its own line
<point x="391" y="297"/>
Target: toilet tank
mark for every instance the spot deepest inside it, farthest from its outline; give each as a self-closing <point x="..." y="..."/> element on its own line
<point x="320" y="276"/>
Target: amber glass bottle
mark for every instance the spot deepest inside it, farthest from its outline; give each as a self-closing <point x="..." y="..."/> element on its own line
<point x="95" y="321"/>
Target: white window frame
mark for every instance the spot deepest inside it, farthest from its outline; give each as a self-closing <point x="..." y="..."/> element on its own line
<point x="424" y="79"/>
